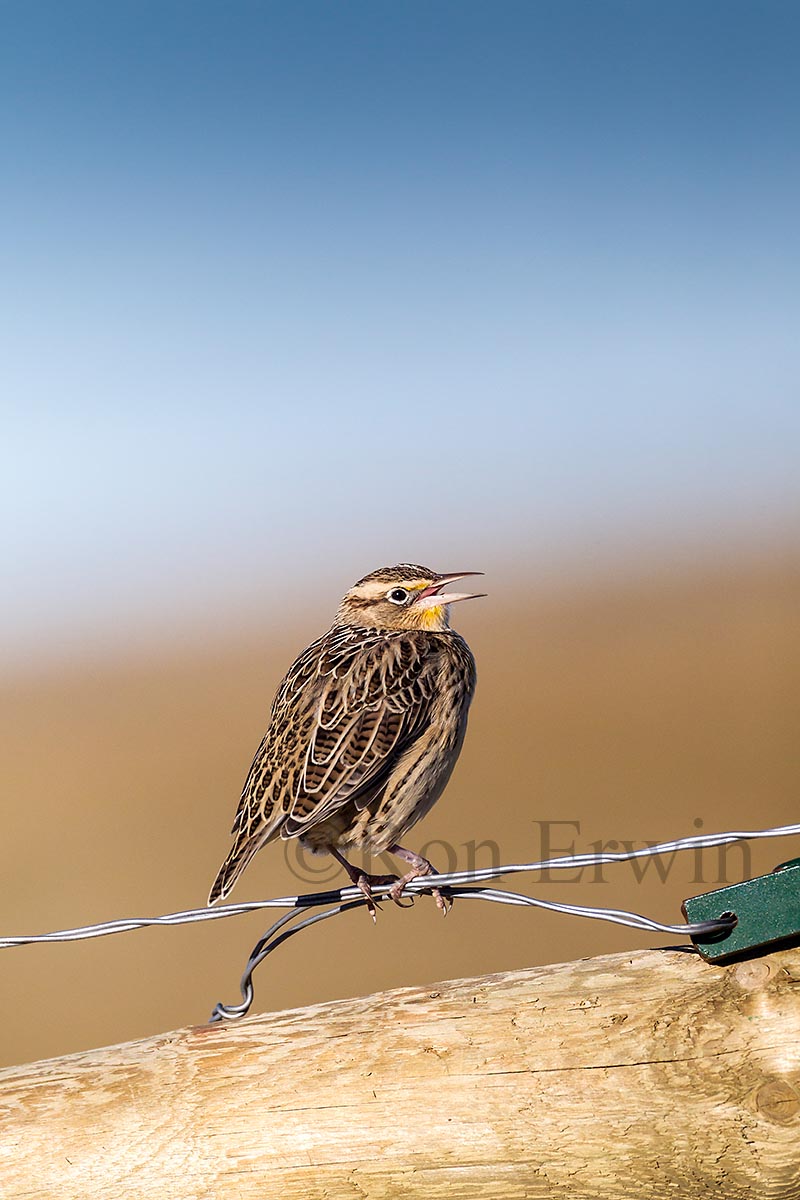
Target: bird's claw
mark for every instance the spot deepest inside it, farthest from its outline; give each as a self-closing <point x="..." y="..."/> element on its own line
<point x="443" y="903"/>
<point x="365" y="884"/>
<point x="396" y="893"/>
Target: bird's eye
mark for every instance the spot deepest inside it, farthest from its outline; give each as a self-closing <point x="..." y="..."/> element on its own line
<point x="398" y="596"/>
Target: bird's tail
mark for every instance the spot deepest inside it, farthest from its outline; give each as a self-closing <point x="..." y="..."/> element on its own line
<point x="239" y="857"/>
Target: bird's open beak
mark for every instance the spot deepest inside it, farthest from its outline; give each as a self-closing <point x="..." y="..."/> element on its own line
<point x="433" y="597"/>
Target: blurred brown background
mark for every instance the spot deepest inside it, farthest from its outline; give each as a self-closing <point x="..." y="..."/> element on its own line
<point x="635" y="705"/>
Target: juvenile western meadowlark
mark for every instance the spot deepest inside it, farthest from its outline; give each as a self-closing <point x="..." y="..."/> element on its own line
<point x="364" y="731"/>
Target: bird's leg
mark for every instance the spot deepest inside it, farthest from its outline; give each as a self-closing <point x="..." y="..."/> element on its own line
<point x="419" y="866"/>
<point x="363" y="882"/>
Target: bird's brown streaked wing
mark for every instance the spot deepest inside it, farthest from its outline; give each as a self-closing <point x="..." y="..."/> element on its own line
<point x="345" y="710"/>
<point x="271" y="782"/>
<point x="273" y="778"/>
<point x="366" y="716"/>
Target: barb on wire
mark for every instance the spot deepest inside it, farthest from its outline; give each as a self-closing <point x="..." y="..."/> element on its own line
<point x="459" y="884"/>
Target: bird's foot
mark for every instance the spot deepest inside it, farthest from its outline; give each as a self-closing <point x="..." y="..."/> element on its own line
<point x="443" y="903"/>
<point x="365" y="883"/>
<point x="419" y="868"/>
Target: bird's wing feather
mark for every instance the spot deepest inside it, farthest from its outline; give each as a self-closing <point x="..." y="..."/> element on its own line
<point x="365" y="717"/>
<point x="346" y="711"/>
<point x="347" y="706"/>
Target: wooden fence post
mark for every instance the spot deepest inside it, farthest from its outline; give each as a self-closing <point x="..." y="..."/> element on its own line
<point x="647" y="1075"/>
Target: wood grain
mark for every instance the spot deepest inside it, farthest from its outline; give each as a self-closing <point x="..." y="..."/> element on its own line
<point x="650" y="1074"/>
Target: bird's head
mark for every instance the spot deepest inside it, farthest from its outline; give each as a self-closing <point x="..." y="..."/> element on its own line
<point x="403" y="597"/>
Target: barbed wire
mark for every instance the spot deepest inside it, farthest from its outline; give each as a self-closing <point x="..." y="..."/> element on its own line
<point x="455" y="884"/>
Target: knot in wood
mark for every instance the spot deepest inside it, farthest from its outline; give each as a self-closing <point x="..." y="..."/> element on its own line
<point x="778" y="1101"/>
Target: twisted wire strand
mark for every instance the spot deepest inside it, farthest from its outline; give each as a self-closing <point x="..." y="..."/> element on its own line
<point x="264" y="946"/>
<point x="452" y="882"/>
<point x="274" y="937"/>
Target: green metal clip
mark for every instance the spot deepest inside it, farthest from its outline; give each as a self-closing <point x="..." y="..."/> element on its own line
<point x="767" y="910"/>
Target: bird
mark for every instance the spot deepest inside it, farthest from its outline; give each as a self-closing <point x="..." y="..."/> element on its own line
<point x="364" y="731"/>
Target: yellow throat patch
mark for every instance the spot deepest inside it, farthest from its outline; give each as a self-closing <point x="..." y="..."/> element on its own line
<point x="433" y="618"/>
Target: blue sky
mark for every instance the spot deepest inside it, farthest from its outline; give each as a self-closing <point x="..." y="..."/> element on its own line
<point x="290" y="291"/>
